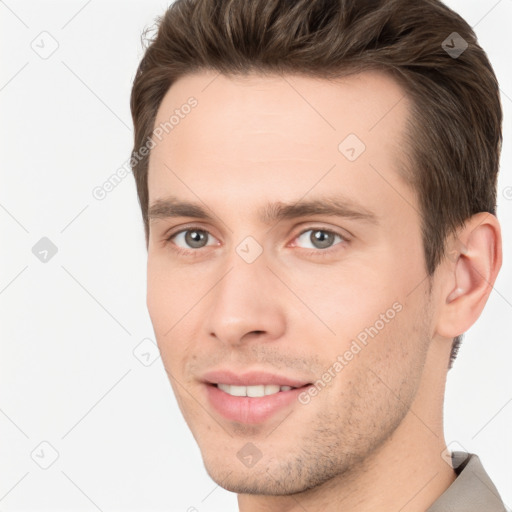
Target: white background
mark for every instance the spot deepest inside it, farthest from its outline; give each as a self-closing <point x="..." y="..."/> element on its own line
<point x="69" y="327"/>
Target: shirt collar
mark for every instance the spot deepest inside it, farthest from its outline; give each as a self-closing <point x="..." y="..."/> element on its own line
<point x="471" y="491"/>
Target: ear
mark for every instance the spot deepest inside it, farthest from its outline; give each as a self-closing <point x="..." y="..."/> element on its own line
<point x="472" y="264"/>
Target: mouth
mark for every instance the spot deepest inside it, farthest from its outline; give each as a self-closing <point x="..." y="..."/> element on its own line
<point x="253" y="404"/>
<point x="251" y="396"/>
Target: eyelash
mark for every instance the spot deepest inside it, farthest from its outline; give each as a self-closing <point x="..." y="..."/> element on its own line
<point x="310" y="252"/>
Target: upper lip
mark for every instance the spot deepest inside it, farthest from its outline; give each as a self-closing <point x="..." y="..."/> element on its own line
<point x="252" y="378"/>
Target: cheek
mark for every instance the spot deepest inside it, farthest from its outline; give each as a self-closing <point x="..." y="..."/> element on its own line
<point x="376" y="321"/>
<point x="347" y="298"/>
<point x="159" y="299"/>
<point x="172" y="300"/>
<point x="165" y="302"/>
<point x="170" y="291"/>
<point x="388" y="364"/>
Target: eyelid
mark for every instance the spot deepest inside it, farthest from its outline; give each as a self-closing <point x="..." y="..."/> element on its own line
<point x="187" y="227"/>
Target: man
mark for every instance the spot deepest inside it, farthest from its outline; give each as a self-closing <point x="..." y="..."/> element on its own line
<point x="318" y="188"/>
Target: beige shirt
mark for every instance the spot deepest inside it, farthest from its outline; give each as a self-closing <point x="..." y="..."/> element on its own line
<point x="471" y="491"/>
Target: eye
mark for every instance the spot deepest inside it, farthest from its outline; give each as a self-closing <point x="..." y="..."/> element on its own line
<point x="319" y="238"/>
<point x="322" y="241"/>
<point x="191" y="238"/>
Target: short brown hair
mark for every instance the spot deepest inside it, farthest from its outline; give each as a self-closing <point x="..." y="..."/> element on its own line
<point x="453" y="141"/>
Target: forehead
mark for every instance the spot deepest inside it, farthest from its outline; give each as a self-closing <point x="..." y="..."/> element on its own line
<point x="280" y="136"/>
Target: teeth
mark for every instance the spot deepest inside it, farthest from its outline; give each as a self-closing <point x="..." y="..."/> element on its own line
<point x="253" y="391"/>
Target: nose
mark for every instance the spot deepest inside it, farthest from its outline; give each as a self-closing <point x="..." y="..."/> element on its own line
<point x="248" y="302"/>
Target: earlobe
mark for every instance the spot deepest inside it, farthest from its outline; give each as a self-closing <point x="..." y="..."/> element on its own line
<point x="470" y="272"/>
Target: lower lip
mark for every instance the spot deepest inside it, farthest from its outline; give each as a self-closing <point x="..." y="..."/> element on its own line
<point x="246" y="409"/>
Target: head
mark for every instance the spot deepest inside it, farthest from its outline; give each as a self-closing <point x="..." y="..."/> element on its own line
<point x="358" y="105"/>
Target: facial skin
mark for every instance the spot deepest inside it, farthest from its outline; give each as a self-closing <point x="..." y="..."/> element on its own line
<point x="372" y="438"/>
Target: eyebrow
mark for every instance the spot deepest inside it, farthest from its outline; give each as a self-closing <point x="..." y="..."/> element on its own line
<point x="270" y="213"/>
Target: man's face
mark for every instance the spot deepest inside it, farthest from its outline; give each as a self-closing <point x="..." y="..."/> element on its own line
<point x="294" y="296"/>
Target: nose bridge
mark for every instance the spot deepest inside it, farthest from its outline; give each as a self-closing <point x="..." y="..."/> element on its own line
<point x="245" y="299"/>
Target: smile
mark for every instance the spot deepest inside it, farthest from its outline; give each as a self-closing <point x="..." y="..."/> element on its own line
<point x="253" y="391"/>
